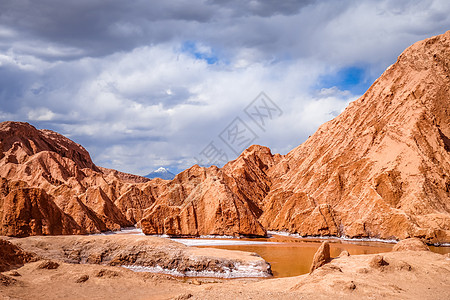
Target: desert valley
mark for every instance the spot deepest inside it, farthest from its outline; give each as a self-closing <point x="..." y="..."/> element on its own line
<point x="375" y="176"/>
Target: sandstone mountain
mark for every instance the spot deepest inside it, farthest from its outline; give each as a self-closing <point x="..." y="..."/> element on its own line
<point x="381" y="169"/>
<point x="49" y="185"/>
<point x="213" y="201"/>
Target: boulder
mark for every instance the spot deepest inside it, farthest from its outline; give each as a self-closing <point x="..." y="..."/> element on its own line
<point x="48" y="264"/>
<point x="411" y="244"/>
<point x="321" y="257"/>
<point x="12" y="256"/>
<point x="378" y="262"/>
<point x="6" y="280"/>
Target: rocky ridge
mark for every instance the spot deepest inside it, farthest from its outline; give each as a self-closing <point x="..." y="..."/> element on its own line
<point x="382" y="167"/>
<point x="49" y="185"/>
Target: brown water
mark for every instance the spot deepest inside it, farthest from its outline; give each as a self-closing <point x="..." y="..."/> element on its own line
<point x="293" y="256"/>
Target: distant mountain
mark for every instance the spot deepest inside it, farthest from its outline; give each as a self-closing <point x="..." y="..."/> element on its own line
<point x="162" y="173"/>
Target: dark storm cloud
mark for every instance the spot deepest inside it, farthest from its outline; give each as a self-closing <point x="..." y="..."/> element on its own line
<point x="99" y="27"/>
<point x="275" y="30"/>
<point x="263" y="8"/>
<point x="13" y="83"/>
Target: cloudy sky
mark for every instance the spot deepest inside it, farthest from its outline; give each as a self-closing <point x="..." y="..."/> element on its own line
<point x="144" y="84"/>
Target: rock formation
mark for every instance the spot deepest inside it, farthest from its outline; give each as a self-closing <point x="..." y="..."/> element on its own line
<point x="49" y="185"/>
<point x="6" y="280"/>
<point x="321" y="257"/>
<point x="382" y="167"/>
<point x="212" y="201"/>
<point x="48" y="265"/>
<point x="143" y="253"/>
<point x="11" y="256"/>
<point x="378" y="262"/>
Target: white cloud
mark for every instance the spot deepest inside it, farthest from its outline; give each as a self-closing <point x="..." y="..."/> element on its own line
<point x="40" y="114"/>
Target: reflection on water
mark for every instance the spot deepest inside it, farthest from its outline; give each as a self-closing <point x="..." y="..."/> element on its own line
<point x="440" y="250"/>
<point x="293" y="256"/>
<point x="292" y="259"/>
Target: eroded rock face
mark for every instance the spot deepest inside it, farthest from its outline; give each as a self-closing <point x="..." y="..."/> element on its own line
<point x="143" y="253"/>
<point x="381" y="168"/>
<point x="50" y="186"/>
<point x="30" y="211"/>
<point x="12" y="256"/>
<point x="211" y="201"/>
<point x="6" y="280"/>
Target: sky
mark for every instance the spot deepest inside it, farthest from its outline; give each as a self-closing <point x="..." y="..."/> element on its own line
<point x="149" y="84"/>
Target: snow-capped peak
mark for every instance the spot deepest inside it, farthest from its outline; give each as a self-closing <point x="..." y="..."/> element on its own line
<point x="162" y="173"/>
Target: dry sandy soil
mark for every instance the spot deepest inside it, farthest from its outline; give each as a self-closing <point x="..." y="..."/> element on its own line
<point x="398" y="275"/>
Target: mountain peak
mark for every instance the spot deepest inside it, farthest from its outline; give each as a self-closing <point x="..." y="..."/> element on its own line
<point x="162" y="173"/>
<point x="21" y="140"/>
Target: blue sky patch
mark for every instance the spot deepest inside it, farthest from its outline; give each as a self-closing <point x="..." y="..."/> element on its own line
<point x="353" y="79"/>
<point x="207" y="54"/>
